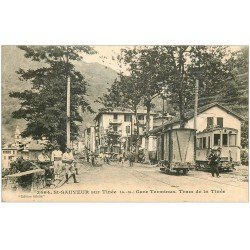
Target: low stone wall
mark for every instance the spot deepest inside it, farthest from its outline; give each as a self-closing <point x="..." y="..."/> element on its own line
<point x="25" y="181"/>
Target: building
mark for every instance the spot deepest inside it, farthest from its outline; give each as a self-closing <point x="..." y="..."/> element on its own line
<point x="32" y="150"/>
<point x="9" y="154"/>
<point x="27" y="148"/>
<point x="120" y="123"/>
<point x="217" y="126"/>
<point x="90" y="139"/>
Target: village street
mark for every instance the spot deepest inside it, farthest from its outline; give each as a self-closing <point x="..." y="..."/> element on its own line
<point x="115" y="182"/>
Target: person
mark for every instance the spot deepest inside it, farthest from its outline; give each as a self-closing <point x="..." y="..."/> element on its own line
<point x="214" y="160"/>
<point x="44" y="161"/>
<point x="123" y="158"/>
<point x="131" y="159"/>
<point x="92" y="159"/>
<point x="107" y="158"/>
<point x="56" y="158"/>
<point x="68" y="161"/>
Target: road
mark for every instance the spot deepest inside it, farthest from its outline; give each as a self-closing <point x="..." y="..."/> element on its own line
<point x="115" y="182"/>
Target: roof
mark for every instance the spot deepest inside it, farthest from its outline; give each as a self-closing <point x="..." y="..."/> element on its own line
<point x="35" y="146"/>
<point x="122" y="111"/>
<point x="190" y="114"/>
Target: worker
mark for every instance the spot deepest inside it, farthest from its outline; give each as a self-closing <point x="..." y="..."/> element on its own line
<point x="69" y="161"/>
<point x="56" y="158"/>
<point x="44" y="161"/>
<point x="214" y="159"/>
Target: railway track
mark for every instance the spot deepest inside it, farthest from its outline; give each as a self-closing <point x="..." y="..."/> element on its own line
<point x="142" y="176"/>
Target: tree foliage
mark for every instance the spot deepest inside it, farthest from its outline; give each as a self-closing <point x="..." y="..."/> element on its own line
<point x="44" y="106"/>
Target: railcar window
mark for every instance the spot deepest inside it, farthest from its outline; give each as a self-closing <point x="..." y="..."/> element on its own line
<point x="216" y="139"/>
<point x="128" y="129"/>
<point x="232" y="140"/>
<point x="204" y="142"/>
<point x="199" y="143"/>
<point x="225" y="140"/>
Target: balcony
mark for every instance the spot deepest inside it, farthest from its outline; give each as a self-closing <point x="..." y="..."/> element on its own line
<point x="115" y="121"/>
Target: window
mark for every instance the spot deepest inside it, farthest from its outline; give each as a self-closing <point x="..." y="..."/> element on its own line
<point x="224" y="139"/>
<point x="216" y="139"/>
<point x="115" y="116"/>
<point x="141" y="117"/>
<point x="210" y="122"/>
<point x="128" y="129"/>
<point x="199" y="143"/>
<point x="208" y="142"/>
<point x="220" y="122"/>
<point x="204" y="142"/>
<point x="127" y="118"/>
<point x="115" y="128"/>
<point x="232" y="140"/>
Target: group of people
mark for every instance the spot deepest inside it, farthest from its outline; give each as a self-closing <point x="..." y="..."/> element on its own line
<point x="62" y="164"/>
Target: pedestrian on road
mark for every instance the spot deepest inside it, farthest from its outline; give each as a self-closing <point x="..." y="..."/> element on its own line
<point x="69" y="163"/>
<point x="131" y="159"/>
<point x="93" y="160"/>
<point x="123" y="158"/>
<point x="214" y="160"/>
<point x="56" y="158"/>
<point x="107" y="158"/>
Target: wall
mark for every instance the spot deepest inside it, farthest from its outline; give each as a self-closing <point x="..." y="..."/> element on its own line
<point x="8" y="156"/>
<point x="229" y="121"/>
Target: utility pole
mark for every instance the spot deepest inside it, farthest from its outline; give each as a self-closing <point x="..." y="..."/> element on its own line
<point x="196" y="93"/>
<point x="131" y="133"/>
<point x="68" y="112"/>
<point x="163" y="111"/>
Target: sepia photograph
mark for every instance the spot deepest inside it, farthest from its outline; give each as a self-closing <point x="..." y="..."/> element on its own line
<point x="142" y="123"/>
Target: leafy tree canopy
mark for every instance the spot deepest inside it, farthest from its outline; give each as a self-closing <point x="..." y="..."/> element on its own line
<point x="44" y="106"/>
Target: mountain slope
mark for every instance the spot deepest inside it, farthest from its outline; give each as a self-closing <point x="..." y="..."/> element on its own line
<point x="97" y="76"/>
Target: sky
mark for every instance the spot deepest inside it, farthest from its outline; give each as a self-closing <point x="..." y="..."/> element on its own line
<point x="106" y="55"/>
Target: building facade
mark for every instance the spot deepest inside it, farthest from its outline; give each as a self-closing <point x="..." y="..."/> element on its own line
<point x="121" y="125"/>
<point x="217" y="127"/>
<point x="90" y="139"/>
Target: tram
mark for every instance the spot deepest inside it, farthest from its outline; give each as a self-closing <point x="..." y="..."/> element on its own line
<point x="176" y="150"/>
<point x="225" y="140"/>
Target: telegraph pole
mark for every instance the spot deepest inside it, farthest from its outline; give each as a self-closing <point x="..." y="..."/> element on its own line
<point x="196" y="93"/>
<point x="68" y="112"/>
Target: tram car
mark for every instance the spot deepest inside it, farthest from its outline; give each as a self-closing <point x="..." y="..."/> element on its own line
<point x="225" y="140"/>
<point x="176" y="150"/>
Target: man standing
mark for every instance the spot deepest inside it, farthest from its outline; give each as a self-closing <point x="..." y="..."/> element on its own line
<point x="214" y="160"/>
<point x="56" y="158"/>
<point x="44" y="161"/>
<point x="131" y="159"/>
<point x="68" y="160"/>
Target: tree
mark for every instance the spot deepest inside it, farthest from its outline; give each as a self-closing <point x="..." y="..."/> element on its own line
<point x="143" y="64"/>
<point x="125" y="92"/>
<point x="112" y="138"/>
<point x="44" y="105"/>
